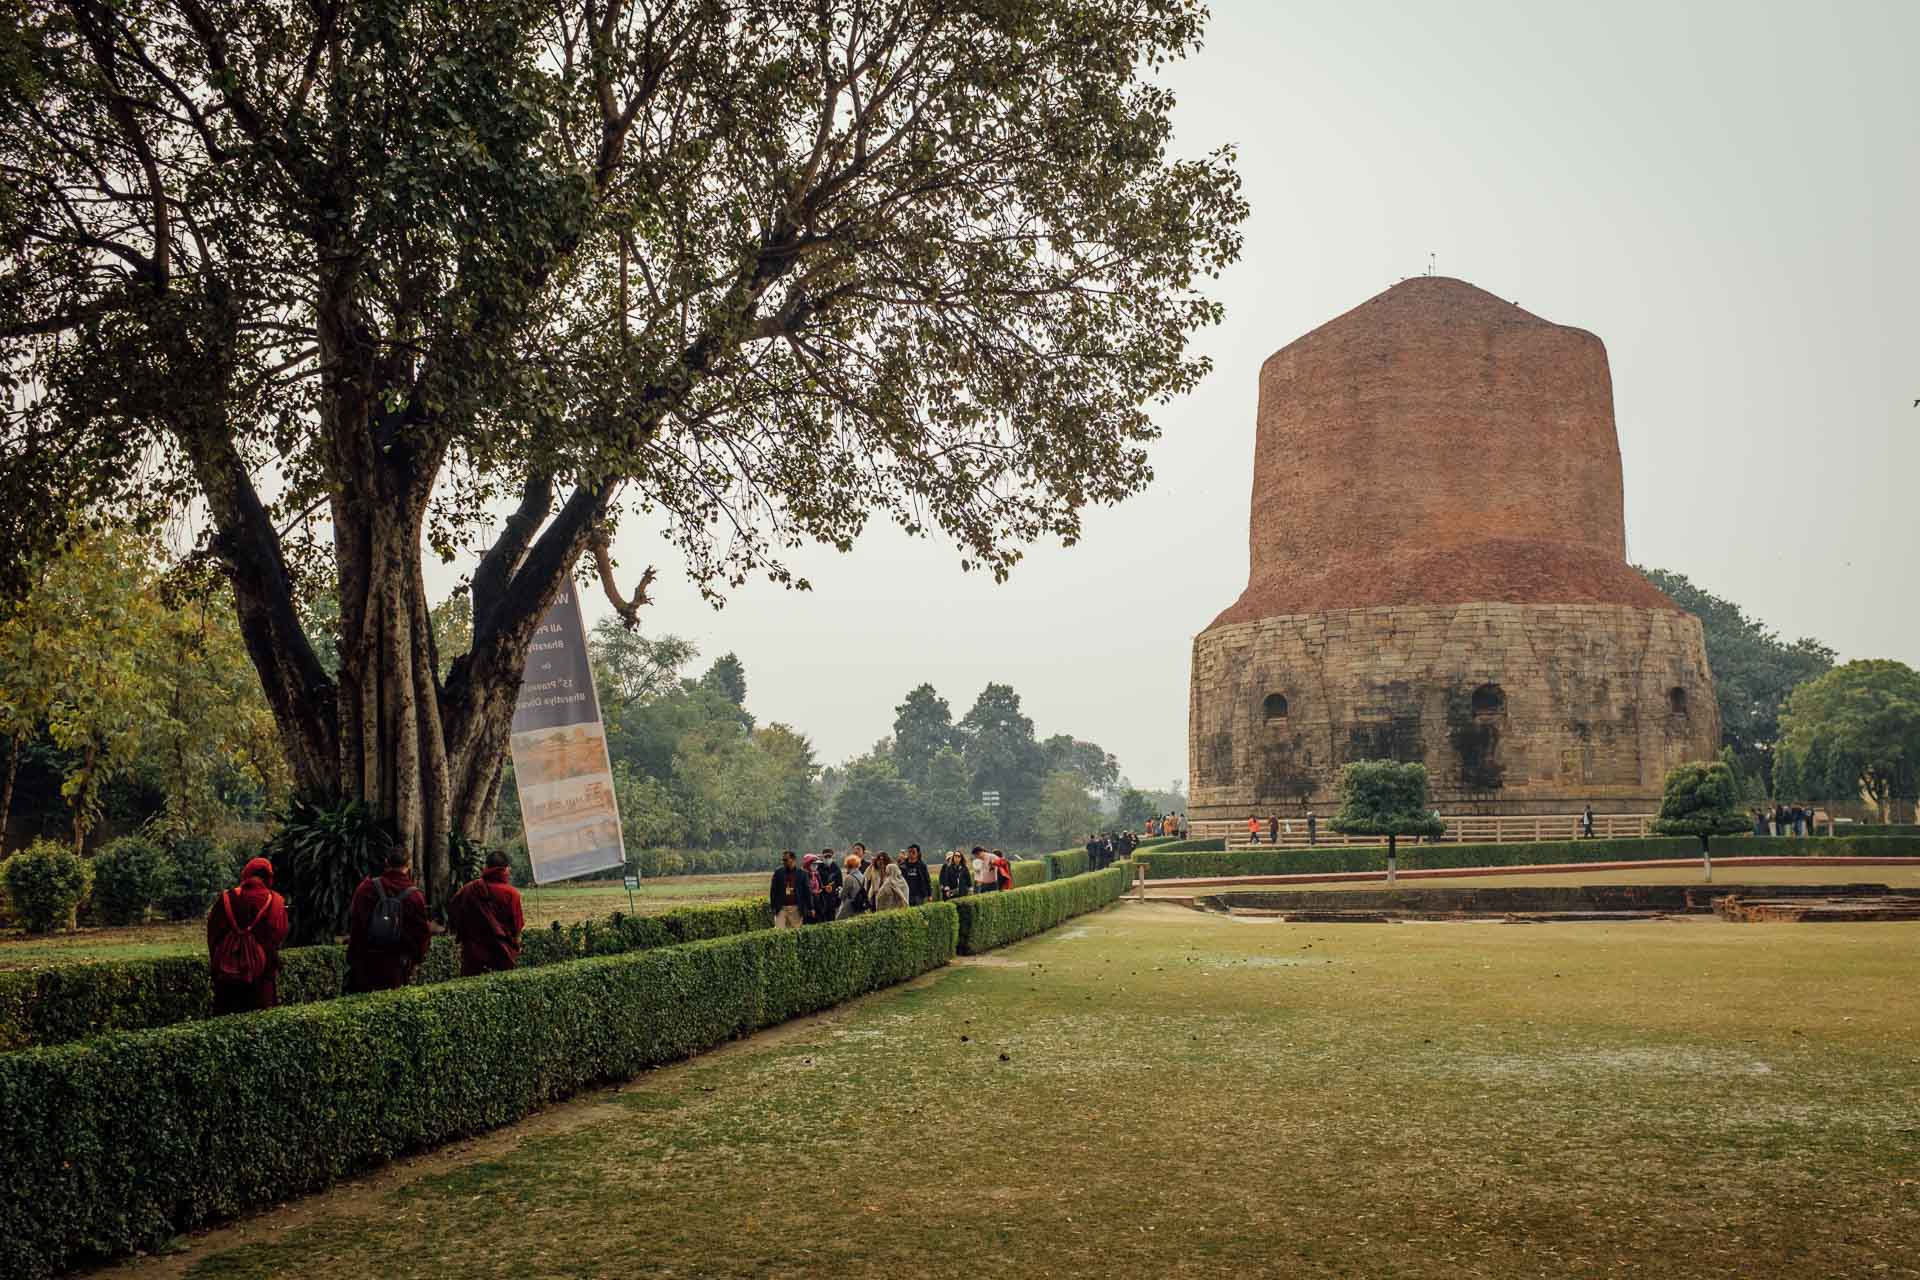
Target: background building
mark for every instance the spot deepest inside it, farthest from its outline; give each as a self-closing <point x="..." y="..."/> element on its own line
<point x="1439" y="573"/>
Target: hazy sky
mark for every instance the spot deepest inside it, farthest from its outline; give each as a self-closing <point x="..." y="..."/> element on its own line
<point x="1728" y="194"/>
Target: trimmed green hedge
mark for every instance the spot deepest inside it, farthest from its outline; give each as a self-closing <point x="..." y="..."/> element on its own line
<point x="1817" y="846"/>
<point x="1067" y="863"/>
<point x="71" y="1002"/>
<point x="1330" y="859"/>
<point x="1031" y="871"/>
<point x="989" y="920"/>
<point x="126" y="1141"/>
<point x="1879" y="829"/>
<point x="1216" y="845"/>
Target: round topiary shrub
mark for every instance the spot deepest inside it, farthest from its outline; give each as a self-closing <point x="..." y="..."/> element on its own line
<point x="47" y="882"/>
<point x="127" y="876"/>
<point x="196" y="873"/>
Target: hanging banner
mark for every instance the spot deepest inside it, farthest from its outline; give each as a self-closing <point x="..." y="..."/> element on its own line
<point x="560" y="761"/>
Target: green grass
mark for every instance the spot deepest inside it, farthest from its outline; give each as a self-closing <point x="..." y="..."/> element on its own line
<point x="563" y="902"/>
<point x="1723" y="873"/>
<point x="1190" y="1095"/>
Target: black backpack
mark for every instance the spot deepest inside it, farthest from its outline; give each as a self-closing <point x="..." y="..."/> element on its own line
<point x="387" y="928"/>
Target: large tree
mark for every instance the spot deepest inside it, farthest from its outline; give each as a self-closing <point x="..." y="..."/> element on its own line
<point x="1854" y="732"/>
<point x="922" y="729"/>
<point x="996" y="739"/>
<point x="1753" y="669"/>
<point x="361" y="275"/>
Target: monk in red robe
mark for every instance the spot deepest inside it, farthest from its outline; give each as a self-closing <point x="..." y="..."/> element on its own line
<point x="485" y="915"/>
<point x="245" y="930"/>
<point x="388" y="929"/>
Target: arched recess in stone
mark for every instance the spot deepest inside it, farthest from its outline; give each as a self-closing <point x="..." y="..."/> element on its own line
<point x="1489" y="702"/>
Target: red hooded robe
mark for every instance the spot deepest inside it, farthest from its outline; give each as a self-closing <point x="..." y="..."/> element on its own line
<point x="255" y="907"/>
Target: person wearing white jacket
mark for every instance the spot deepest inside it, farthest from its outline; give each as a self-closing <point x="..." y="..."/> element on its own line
<point x="985" y="878"/>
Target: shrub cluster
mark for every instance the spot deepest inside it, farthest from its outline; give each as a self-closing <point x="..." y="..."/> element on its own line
<point x="989" y="920"/>
<point x="196" y="871"/>
<point x="70" y="1002"/>
<point x="1328" y="859"/>
<point x="46" y="883"/>
<point x="1030" y="871"/>
<point x="123" y="1142"/>
<point x="127" y="875"/>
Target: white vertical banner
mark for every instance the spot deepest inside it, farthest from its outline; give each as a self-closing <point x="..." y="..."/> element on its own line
<point x="560" y="762"/>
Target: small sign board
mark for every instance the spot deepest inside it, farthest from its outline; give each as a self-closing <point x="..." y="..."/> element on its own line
<point x="632" y="882"/>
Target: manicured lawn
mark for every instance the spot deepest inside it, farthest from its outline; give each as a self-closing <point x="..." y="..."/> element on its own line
<point x="1727" y="873"/>
<point x="1178" y="1094"/>
<point x="562" y="902"/>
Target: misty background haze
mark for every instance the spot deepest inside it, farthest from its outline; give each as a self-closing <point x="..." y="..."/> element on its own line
<point x="1724" y="193"/>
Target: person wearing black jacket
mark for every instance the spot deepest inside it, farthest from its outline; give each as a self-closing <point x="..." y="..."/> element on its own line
<point x="955" y="880"/>
<point x="919" y="883"/>
<point x="788" y="895"/>
<point x="826" y="903"/>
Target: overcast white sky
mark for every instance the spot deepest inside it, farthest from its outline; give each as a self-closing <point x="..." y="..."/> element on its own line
<point x="1728" y="194"/>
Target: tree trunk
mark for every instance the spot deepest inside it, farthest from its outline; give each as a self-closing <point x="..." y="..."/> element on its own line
<point x="6" y="795"/>
<point x="80" y="803"/>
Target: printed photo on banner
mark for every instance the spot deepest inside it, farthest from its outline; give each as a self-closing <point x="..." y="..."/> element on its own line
<point x="560" y="762"/>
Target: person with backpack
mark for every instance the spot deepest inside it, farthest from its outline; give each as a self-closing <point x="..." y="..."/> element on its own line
<point x="245" y="931"/>
<point x="485" y="915"/>
<point x="388" y="929"/>
<point x="1002" y="871"/>
<point x="853" y="890"/>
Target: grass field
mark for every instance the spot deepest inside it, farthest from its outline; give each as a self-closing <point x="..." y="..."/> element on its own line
<point x="1729" y="873"/>
<point x="1177" y="1094"/>
<point x="562" y="902"/>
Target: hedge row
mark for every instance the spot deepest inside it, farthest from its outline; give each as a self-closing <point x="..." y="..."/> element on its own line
<point x="1067" y="863"/>
<point x="70" y="1002"/>
<point x="1216" y="845"/>
<point x="1881" y="829"/>
<point x="990" y="920"/>
<point x="123" y="1142"/>
<point x="1030" y="871"/>
<point x="1328" y="859"/>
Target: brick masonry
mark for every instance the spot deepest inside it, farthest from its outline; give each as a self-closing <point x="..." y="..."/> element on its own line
<point x="1438" y="573"/>
<point x="1515" y="709"/>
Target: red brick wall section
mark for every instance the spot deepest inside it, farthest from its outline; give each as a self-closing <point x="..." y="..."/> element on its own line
<point x="1437" y="445"/>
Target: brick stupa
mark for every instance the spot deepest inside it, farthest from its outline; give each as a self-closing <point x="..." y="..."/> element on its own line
<point x="1438" y="548"/>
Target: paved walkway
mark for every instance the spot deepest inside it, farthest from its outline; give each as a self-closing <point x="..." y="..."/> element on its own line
<point x="1178" y="887"/>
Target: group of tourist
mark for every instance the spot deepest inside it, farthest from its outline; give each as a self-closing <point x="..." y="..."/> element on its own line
<point x="1275" y="825"/>
<point x="820" y="887"/>
<point x="1105" y="850"/>
<point x="1169" y="824"/>
<point x="389" y="931"/>
<point x="1784" y="820"/>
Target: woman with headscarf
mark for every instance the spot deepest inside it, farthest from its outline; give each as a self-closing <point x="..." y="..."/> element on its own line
<point x="893" y="886"/>
<point x="245" y="931"/>
<point x="853" y="890"/>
